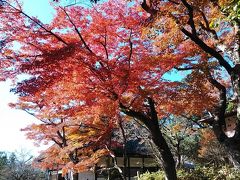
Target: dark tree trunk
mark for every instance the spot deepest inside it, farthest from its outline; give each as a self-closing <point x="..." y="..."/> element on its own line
<point x="150" y="120"/>
<point x="233" y="147"/>
<point x="120" y="123"/>
<point x="231" y="144"/>
<point x="168" y="162"/>
<point x="178" y="154"/>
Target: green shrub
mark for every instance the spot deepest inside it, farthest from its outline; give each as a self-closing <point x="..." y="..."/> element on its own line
<point x="152" y="176"/>
<point x="200" y="173"/>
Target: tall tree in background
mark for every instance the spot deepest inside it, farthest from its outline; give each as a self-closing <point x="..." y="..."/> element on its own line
<point x="210" y="30"/>
<point x="183" y="136"/>
<point x="17" y="166"/>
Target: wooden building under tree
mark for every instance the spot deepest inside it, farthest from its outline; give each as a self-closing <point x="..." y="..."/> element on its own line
<point x="138" y="161"/>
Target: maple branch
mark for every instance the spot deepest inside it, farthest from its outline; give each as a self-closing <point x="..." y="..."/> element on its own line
<point x="10" y="12"/>
<point x="115" y="163"/>
<point x="207" y="120"/>
<point x="138" y="115"/>
<point x="38" y="23"/>
<point x="61" y="137"/>
<point x="31" y="44"/>
<point x="153" y="111"/>
<point x="73" y="158"/>
<point x="76" y="29"/>
<point x="27" y="111"/>
<point x="126" y="76"/>
<point x="190" y="14"/>
<point x="49" y="31"/>
<point x="108" y="69"/>
<point x="214" y="82"/>
<point x="207" y="26"/>
<point x="120" y="123"/>
<point x="185" y="68"/>
<point x="83" y="126"/>
<point x="198" y="122"/>
<point x="146" y="6"/>
<point x="131" y="50"/>
<point x="105" y="44"/>
<point x="50" y="123"/>
<point x="223" y="99"/>
<point x="94" y="71"/>
<point x="208" y="50"/>
<point x="198" y="66"/>
<point x="29" y="56"/>
<point x="58" y="143"/>
<point x="64" y="136"/>
<point x="193" y="36"/>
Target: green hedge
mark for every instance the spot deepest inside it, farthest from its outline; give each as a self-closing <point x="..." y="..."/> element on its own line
<point x="200" y="173"/>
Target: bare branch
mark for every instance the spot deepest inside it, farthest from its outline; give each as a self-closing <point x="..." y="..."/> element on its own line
<point x="105" y="44"/>
<point x="190" y="14"/>
<point x="147" y="7"/>
<point x="77" y="31"/>
<point x="208" y="50"/>
<point x="138" y="115"/>
<point x="131" y="50"/>
<point x="152" y="109"/>
<point x="58" y="143"/>
<point x="38" y="23"/>
<point x="185" y="68"/>
<point x="207" y="26"/>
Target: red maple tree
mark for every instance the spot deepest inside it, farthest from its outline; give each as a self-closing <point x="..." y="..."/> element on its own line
<point x="89" y="65"/>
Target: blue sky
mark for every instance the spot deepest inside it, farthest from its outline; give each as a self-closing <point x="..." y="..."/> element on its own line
<point x="40" y="9"/>
<point x="12" y="120"/>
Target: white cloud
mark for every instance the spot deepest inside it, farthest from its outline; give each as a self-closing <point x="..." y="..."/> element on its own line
<point x="11" y="121"/>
